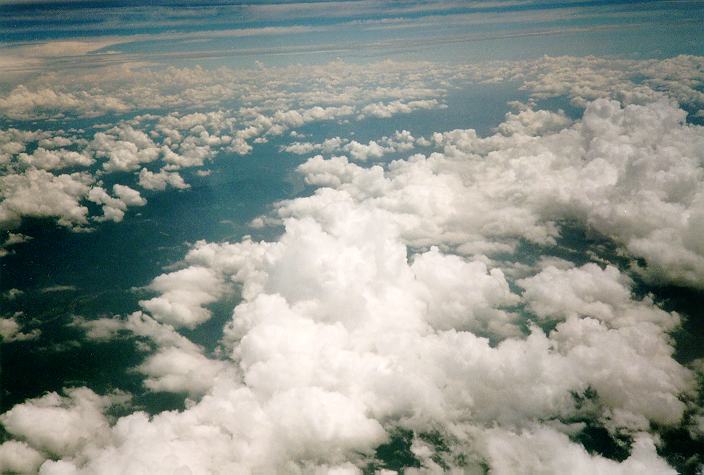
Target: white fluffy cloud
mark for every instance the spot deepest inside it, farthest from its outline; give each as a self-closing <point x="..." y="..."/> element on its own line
<point x="55" y="159"/>
<point x="19" y="457"/>
<point x="159" y="181"/>
<point x="378" y="307"/>
<point x="632" y="173"/>
<point x="335" y="321"/>
<point x="25" y="103"/>
<point x="546" y="451"/>
<point x="386" y="110"/>
<point x="183" y="295"/>
<point x="174" y="369"/>
<point x="11" y="330"/>
<point x="40" y="194"/>
<point x="114" y="207"/>
<point x="61" y="425"/>
<point x="125" y="148"/>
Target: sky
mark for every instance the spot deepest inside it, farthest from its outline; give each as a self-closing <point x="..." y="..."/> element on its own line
<point x="355" y="237"/>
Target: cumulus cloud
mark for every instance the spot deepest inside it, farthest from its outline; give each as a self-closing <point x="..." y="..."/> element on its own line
<point x="19" y="457"/>
<point x="125" y="148"/>
<point x="61" y="425"/>
<point x="159" y="181"/>
<point x="321" y="356"/>
<point x="174" y="369"/>
<point x="387" y="304"/>
<point x="632" y="173"/>
<point x="12" y="240"/>
<point x="386" y="110"/>
<point x="183" y="295"/>
<point x="40" y="194"/>
<point x="55" y="159"/>
<point x="336" y="318"/>
<point x="547" y="451"/>
<point x="114" y="207"/>
<point x="11" y="330"/>
<point x="25" y="103"/>
<point x="400" y="141"/>
<point x="13" y="293"/>
<point x="14" y="141"/>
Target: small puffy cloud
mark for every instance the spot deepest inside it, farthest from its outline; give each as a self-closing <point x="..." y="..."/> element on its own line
<point x="327" y="146"/>
<point x="54" y="142"/>
<point x="400" y="141"/>
<point x="11" y="330"/>
<point x="12" y="240"/>
<point x="363" y="152"/>
<point x="173" y="369"/>
<point x="40" y="194"/>
<point x="24" y="103"/>
<point x="55" y="159"/>
<point x="114" y="207"/>
<point x="159" y="181"/>
<point x="300" y="148"/>
<point x="129" y="196"/>
<point x="100" y="329"/>
<point x="13" y="142"/>
<point x="125" y="148"/>
<point x="183" y="295"/>
<point x="16" y="238"/>
<point x="386" y="110"/>
<point x="13" y="293"/>
<point x="530" y="122"/>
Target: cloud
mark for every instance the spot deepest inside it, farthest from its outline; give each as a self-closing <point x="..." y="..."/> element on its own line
<point x="24" y="103"/>
<point x="630" y="173"/>
<point x="159" y="181"/>
<point x="322" y="357"/>
<point x="58" y="288"/>
<point x="336" y="317"/>
<point x="19" y="457"/>
<point x="11" y="330"/>
<point x="604" y="294"/>
<point x="183" y="295"/>
<point x="388" y="301"/>
<point x="125" y="148"/>
<point x="357" y="150"/>
<point x="174" y="369"/>
<point x="60" y="425"/>
<point x="530" y="122"/>
<point x="548" y="451"/>
<point x="386" y="110"/>
<point x="40" y="194"/>
<point x="13" y="293"/>
<point x="114" y="207"/>
<point x="12" y="240"/>
<point x="55" y="159"/>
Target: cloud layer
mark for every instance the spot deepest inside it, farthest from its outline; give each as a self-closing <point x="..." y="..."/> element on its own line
<point x="389" y="303"/>
<point x="397" y="298"/>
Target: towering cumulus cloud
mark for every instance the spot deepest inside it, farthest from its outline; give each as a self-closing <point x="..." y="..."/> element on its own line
<point x="397" y="309"/>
